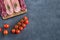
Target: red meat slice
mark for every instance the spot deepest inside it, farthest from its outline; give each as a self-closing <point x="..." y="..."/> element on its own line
<point x="16" y="6"/>
<point x="3" y="9"/>
<point x="22" y="4"/>
<point x="0" y="9"/>
<point x="9" y="8"/>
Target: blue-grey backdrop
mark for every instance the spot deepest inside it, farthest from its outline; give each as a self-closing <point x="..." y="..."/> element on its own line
<point x="44" y="18"/>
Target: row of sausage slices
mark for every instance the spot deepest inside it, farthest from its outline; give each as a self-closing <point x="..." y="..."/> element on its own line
<point x="11" y="6"/>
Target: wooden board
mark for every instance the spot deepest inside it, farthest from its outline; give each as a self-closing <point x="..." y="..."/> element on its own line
<point x="15" y="14"/>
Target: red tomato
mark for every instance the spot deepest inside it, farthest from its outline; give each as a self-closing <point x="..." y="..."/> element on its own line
<point x="17" y="31"/>
<point x="6" y="26"/>
<point x="19" y="23"/>
<point x="25" y="18"/>
<point x="21" y="20"/>
<point x="23" y="25"/>
<point x="0" y="29"/>
<point x="16" y="26"/>
<point x="13" y="30"/>
<point x="21" y="28"/>
<point x="5" y="32"/>
<point x="26" y="22"/>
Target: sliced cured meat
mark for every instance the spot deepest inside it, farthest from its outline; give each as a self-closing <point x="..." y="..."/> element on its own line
<point x="16" y="6"/>
<point x="3" y="9"/>
<point x="9" y="8"/>
<point x="0" y="9"/>
<point x="22" y="4"/>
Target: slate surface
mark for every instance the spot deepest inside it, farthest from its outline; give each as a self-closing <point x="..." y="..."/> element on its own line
<point x="44" y="18"/>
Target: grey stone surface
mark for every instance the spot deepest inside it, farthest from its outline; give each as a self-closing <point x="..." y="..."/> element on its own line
<point x="44" y="18"/>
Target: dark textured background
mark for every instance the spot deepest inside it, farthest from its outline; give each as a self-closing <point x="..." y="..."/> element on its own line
<point x="44" y="18"/>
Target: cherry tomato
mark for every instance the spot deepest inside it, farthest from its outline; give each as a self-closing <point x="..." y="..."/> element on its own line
<point x="0" y="29"/>
<point x="25" y="18"/>
<point x="23" y="25"/>
<point x="26" y="22"/>
<point x="6" y="26"/>
<point x="21" y="28"/>
<point x="13" y="31"/>
<point x="5" y="32"/>
<point x="16" y="26"/>
<point x="17" y="31"/>
<point x="19" y="23"/>
<point x="21" y="20"/>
